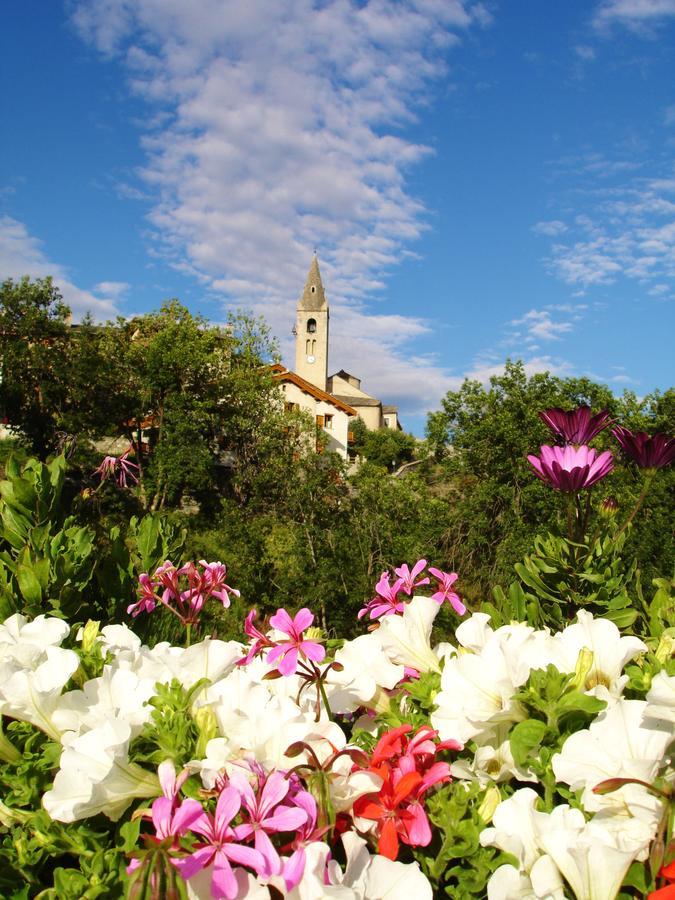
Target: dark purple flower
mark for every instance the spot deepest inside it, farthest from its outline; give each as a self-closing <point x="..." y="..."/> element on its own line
<point x="578" y="426"/>
<point x="571" y="468"/>
<point x="647" y="452"/>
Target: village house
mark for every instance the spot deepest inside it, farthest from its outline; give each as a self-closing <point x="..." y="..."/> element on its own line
<point x="335" y="401"/>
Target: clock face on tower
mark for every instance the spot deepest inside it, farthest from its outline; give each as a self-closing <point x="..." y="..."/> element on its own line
<point x="310" y="359"/>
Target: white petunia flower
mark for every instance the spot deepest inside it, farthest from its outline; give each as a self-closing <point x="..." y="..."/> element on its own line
<point x="347" y="786"/>
<point x="610" y="652"/>
<point x="116" y="638"/>
<point x="476" y="693"/>
<point x="474" y="632"/>
<point x="117" y="693"/>
<point x="661" y="698"/>
<point x="96" y="776"/>
<point x="32" y="693"/>
<point x="406" y="639"/>
<point x="43" y="631"/>
<point x="618" y="744"/>
<point x="365" y="877"/>
<point x="589" y="856"/>
<point x="544" y="882"/>
<point x="514" y="830"/>
<point x="366" y="668"/>
<point x="493" y="760"/>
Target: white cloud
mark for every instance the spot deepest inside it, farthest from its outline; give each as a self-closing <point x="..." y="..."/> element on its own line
<point x="540" y="324"/>
<point x="112" y="289"/>
<point x="551" y="229"/>
<point x="638" y="15"/>
<point x="626" y="232"/>
<point x="22" y="254"/>
<point x="276" y="128"/>
<point x="584" y="52"/>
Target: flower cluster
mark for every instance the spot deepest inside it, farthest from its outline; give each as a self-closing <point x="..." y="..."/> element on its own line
<point x="408" y="767"/>
<point x="183" y="591"/>
<point x="390" y="596"/>
<point x="571" y="465"/>
<point x="497" y="731"/>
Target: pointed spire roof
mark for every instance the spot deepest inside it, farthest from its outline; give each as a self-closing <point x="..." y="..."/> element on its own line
<point x="313" y="296"/>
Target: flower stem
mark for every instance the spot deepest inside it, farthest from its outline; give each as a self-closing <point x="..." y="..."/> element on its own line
<point x="571" y="506"/>
<point x="638" y="504"/>
<point x="188" y="633"/>
<point x="325" y="701"/>
<point x="587" y="515"/>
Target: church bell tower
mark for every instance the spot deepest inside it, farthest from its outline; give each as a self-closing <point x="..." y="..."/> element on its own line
<point x="311" y="330"/>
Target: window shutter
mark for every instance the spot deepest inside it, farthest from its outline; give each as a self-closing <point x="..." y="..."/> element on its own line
<point x="320" y="421"/>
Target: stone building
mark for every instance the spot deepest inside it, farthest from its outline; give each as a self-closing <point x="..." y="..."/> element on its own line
<point x="336" y="400"/>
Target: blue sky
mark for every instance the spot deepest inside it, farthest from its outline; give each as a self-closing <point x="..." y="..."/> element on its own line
<point x="481" y="180"/>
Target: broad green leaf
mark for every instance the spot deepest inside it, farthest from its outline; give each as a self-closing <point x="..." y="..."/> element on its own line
<point x="576" y="700"/>
<point x="525" y="737"/>
<point x="29" y="585"/>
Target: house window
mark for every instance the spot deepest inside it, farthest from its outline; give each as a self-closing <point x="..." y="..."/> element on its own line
<point x="311" y="326"/>
<point x="290" y="407"/>
<point x="328" y="421"/>
<point x="386" y="422"/>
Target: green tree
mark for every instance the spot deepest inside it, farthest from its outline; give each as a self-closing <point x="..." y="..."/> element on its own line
<point x="34" y="358"/>
<point x="482" y="437"/>
<point x="383" y="447"/>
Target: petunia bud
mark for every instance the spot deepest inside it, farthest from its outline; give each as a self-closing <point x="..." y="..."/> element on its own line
<point x="89" y="635"/>
<point x="207" y="724"/>
<point x="582" y="668"/>
<point x="666" y="647"/>
<point x="489" y="804"/>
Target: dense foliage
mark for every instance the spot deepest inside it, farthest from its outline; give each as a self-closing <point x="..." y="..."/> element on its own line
<point x="481" y="438"/>
<point x="507" y="731"/>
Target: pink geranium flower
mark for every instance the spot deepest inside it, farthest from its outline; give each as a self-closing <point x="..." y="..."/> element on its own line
<point x="286" y="653"/>
<point x="267" y="815"/>
<point x="571" y="468"/>
<point x="221" y="848"/>
<point x="170" y="818"/>
<point x="147" y="600"/>
<point x="183" y="591"/>
<point x="259" y="641"/>
<point x="445" y="592"/>
<point x="174" y="819"/>
<point x="213" y="582"/>
<point x="307" y="833"/>
<point x="408" y="576"/>
<point x="386" y="602"/>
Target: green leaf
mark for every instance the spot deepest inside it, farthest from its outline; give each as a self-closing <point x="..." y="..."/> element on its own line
<point x="525" y="737"/>
<point x="29" y="585"/>
<point x="622" y="618"/>
<point x="576" y="701"/>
